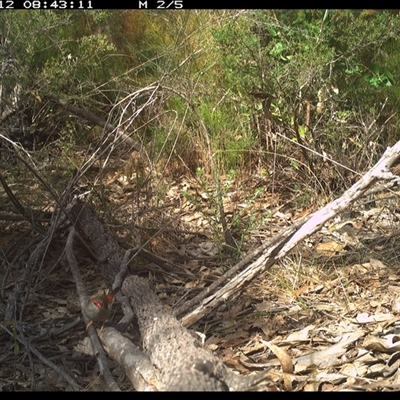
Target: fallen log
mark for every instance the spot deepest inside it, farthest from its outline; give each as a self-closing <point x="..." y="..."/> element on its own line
<point x="178" y="355"/>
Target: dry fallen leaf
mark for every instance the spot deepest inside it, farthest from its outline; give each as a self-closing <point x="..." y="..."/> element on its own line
<point x="300" y="336"/>
<point x="329" y="248"/>
<point x="282" y="355"/>
<point x="365" y="318"/>
<point x="387" y="344"/>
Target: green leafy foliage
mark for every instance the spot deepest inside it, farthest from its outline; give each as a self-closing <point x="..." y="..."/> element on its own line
<point x="313" y="76"/>
<point x="338" y="62"/>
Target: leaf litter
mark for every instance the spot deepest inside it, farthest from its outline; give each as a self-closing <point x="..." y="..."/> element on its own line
<point x="325" y="318"/>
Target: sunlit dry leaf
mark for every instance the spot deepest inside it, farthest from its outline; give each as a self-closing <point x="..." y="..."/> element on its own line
<point x="396" y="378"/>
<point x="377" y="264"/>
<point x="365" y="318"/>
<point x="396" y="305"/>
<point x="55" y="313"/>
<point x="283" y="357"/>
<point x="287" y="382"/>
<point x="387" y="344"/>
<point x="264" y="306"/>
<point x="328" y="356"/>
<point x="327" y="307"/>
<point x="300" y="336"/>
<point x="213" y="341"/>
<point x="191" y="264"/>
<point x="123" y="180"/>
<point x="374" y="303"/>
<point x="354" y="369"/>
<point x="357" y="268"/>
<point x="234" y="363"/>
<point x="229" y="208"/>
<point x="208" y="248"/>
<point x="329" y="248"/>
<point x="312" y="386"/>
<point x="325" y="376"/>
<point x="191" y="285"/>
<point x="376" y="370"/>
<point x="84" y="347"/>
<point x="192" y="216"/>
<point x="303" y="289"/>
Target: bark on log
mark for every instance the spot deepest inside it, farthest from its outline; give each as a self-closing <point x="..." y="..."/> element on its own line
<point x="183" y="363"/>
<point x="134" y="362"/>
<point x="178" y="356"/>
<point x="105" y="246"/>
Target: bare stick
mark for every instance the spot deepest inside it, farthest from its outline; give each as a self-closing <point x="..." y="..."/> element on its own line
<point x="314" y="223"/>
<point x="83" y="299"/>
<point x="46" y="361"/>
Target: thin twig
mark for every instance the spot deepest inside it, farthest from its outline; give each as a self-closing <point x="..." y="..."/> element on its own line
<point x="42" y="358"/>
<point x="314" y="223"/>
<point x="83" y="299"/>
<point x="238" y="267"/>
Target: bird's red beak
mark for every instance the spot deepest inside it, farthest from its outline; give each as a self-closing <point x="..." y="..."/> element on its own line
<point x="110" y="298"/>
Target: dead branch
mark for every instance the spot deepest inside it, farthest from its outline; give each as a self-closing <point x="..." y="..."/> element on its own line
<point x="275" y="242"/>
<point x="112" y="265"/>
<point x="105" y="246"/>
<point x="71" y="381"/>
<point x="184" y="365"/>
<point x="83" y="299"/>
<point x="89" y="116"/>
<point x="33" y="261"/>
<point x="380" y="171"/>
<point x="134" y="362"/>
<point x="314" y="223"/>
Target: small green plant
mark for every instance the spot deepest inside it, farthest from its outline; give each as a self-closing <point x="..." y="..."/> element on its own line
<point x="200" y="173"/>
<point x="294" y="164"/>
<point x="379" y="77"/>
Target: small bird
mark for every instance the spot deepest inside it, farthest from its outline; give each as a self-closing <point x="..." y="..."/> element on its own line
<point x="98" y="308"/>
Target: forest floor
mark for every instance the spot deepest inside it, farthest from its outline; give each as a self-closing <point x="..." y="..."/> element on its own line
<point x="326" y="317"/>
